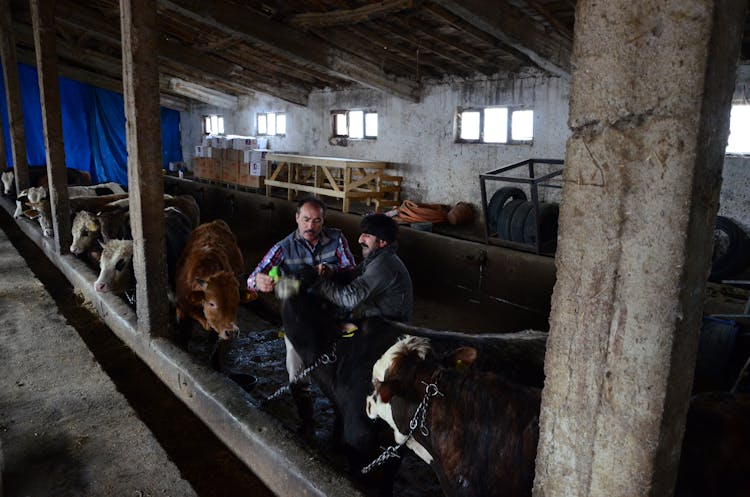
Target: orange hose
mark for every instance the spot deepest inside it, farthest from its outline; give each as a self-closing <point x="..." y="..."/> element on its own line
<point x="411" y="212"/>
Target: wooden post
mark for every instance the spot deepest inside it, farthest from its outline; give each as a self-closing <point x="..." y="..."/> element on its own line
<point x="651" y="91"/>
<point x="141" y="91"/>
<point x="13" y="97"/>
<point x="43" y="19"/>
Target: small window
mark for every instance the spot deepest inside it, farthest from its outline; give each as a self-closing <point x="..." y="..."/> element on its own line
<point x="355" y="124"/>
<point x="271" y="123"/>
<point x="213" y="125"/>
<point x="495" y="125"/>
<point x="739" y="130"/>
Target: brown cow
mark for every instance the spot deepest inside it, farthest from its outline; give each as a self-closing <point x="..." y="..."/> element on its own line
<point x="207" y="285"/>
<point x="480" y="431"/>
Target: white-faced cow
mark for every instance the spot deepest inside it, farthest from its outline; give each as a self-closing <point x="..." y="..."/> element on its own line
<point x="480" y="431"/>
<point x="116" y="263"/>
<point x="207" y="285"/>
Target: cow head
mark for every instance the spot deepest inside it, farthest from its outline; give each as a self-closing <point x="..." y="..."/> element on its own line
<point x="219" y="296"/>
<point x="115" y="266"/>
<point x="85" y="231"/>
<point x="35" y="194"/>
<point x="399" y="373"/>
<point x="114" y="224"/>
<point x="8" y="183"/>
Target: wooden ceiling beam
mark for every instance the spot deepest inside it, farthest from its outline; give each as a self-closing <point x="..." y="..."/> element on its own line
<point x="350" y="16"/>
<point x="191" y="61"/>
<point x="464" y="54"/>
<point x="550" y="51"/>
<point x="287" y="42"/>
<point x="462" y="26"/>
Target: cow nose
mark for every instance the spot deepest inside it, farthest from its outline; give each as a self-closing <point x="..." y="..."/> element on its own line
<point x="100" y="286"/>
<point x="74" y="250"/>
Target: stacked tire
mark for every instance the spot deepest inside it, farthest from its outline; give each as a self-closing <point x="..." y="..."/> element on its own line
<point x="731" y="253"/>
<point x="514" y="218"/>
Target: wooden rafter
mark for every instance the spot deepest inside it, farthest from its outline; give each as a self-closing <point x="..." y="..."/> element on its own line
<point x="350" y="16"/>
<point x="285" y="41"/>
<point x="550" y="51"/>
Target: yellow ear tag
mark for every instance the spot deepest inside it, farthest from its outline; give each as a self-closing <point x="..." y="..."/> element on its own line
<point x="348" y="329"/>
<point x="281" y="334"/>
<point x="460" y="365"/>
<point x="91" y="226"/>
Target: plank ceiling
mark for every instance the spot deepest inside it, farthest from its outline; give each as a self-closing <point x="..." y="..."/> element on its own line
<point x="288" y="48"/>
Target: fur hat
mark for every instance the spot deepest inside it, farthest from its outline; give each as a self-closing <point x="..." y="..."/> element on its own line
<point x="380" y="226"/>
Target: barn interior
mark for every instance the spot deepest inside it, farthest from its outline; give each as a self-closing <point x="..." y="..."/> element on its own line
<point x="621" y="123"/>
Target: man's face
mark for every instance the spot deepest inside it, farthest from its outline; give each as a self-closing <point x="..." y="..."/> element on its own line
<point x="370" y="244"/>
<point x="309" y="221"/>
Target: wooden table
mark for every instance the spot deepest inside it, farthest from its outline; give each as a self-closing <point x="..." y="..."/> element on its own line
<point x="329" y="176"/>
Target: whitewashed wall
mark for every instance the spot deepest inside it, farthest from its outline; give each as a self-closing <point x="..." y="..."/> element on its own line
<point x="418" y="137"/>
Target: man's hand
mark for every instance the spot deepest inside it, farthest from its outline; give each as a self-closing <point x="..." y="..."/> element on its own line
<point x="324" y="270"/>
<point x="263" y="283"/>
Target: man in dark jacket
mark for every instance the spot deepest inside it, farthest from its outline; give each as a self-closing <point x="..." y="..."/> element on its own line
<point x="381" y="285"/>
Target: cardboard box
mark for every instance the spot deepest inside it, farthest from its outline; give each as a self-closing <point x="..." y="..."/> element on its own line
<point x="230" y="171"/>
<point x="250" y="156"/>
<point x="200" y="151"/>
<point x="233" y="155"/>
<point x="259" y="168"/>
<point x="242" y="144"/>
<point x="215" y="169"/>
<point x="248" y="180"/>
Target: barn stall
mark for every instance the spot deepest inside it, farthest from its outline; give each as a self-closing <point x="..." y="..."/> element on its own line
<point x="425" y="70"/>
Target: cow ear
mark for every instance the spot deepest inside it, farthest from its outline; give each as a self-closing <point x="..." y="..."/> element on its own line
<point x="201" y="283"/>
<point x="196" y="297"/>
<point x="461" y="358"/>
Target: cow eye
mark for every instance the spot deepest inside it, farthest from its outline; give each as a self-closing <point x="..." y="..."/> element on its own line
<point x="211" y="305"/>
<point x="120" y="265"/>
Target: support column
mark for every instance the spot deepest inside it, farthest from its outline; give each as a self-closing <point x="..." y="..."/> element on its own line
<point x="13" y="97"/>
<point x="649" y="110"/>
<point x="141" y="93"/>
<point x="43" y="19"/>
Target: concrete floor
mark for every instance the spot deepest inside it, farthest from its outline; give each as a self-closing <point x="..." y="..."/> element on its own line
<point x="65" y="430"/>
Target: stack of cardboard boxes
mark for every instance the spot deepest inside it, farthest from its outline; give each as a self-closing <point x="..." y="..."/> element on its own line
<point x="233" y="160"/>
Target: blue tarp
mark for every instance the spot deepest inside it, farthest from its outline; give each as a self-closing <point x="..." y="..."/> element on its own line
<point x="93" y="122"/>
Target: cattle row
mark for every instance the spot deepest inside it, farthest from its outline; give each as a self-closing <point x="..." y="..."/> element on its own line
<point x="467" y="405"/>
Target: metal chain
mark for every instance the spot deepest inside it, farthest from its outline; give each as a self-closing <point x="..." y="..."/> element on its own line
<point x="419" y="420"/>
<point x="329" y="358"/>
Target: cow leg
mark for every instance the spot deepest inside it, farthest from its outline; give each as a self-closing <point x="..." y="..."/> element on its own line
<point x="19" y="210"/>
<point x="362" y="446"/>
<point x="184" y="330"/>
<point x="300" y="390"/>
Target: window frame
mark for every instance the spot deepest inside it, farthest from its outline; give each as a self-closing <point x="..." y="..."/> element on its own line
<point x="205" y="124"/>
<point x="276" y="120"/>
<point x="509" y="127"/>
<point x="347" y="113"/>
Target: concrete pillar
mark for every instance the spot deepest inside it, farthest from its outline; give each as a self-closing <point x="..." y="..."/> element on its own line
<point x="43" y="19"/>
<point x="146" y="184"/>
<point x="13" y="97"/>
<point x="649" y="112"/>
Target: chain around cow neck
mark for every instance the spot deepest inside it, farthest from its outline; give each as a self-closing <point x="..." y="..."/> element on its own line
<point x="418" y="420"/>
